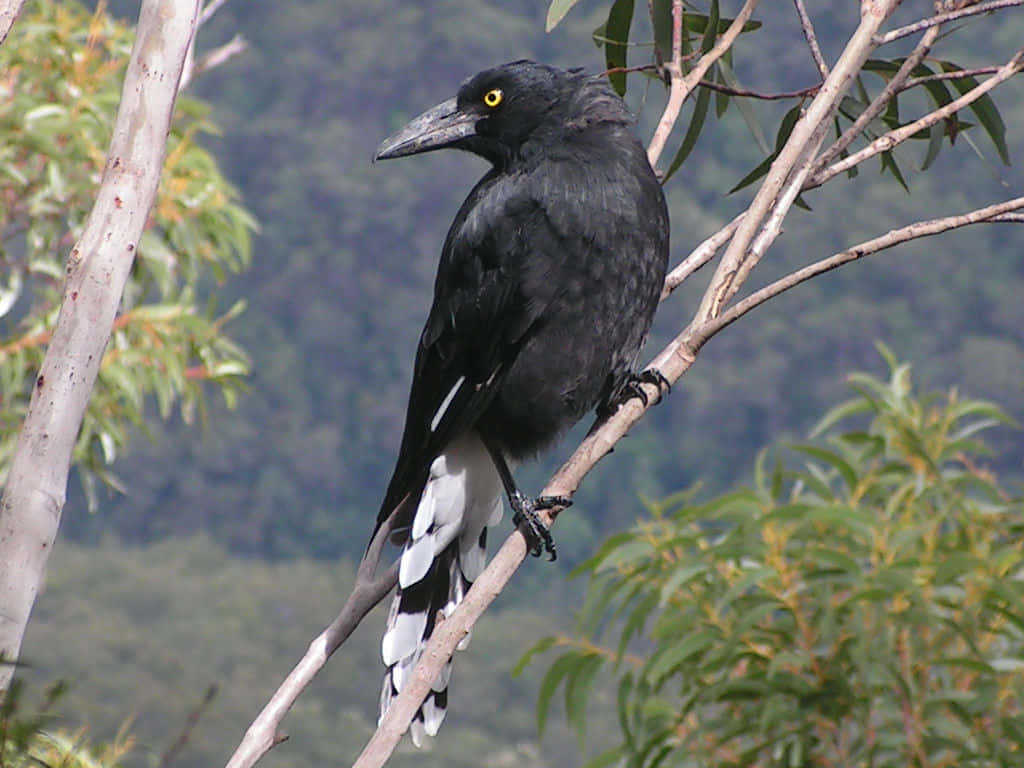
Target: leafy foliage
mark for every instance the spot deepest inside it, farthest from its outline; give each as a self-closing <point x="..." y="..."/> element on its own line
<point x="28" y="741"/>
<point x="699" y="32"/>
<point x="864" y="608"/>
<point x="62" y="70"/>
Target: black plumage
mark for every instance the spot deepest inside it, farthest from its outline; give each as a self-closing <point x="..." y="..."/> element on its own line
<point x="547" y="285"/>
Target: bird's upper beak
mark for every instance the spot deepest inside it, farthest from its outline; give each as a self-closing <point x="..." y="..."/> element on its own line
<point x="438" y="127"/>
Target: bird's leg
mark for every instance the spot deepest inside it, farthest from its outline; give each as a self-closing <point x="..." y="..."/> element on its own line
<point x="524" y="510"/>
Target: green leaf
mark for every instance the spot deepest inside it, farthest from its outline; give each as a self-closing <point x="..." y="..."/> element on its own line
<point x="745" y="106"/>
<point x="562" y="666"/>
<point x="557" y="11"/>
<point x="935" y="135"/>
<point x="789" y="120"/>
<point x="620" y="17"/>
<point x="984" y="108"/>
<point x="833" y="459"/>
<point x="662" y="663"/>
<point x="541" y="646"/>
<point x="700" y="111"/>
<point x="577" y="688"/>
<point x="889" y="164"/>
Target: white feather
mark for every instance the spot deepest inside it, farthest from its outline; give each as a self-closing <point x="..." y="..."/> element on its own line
<point x="443" y="677"/>
<point x="462" y="496"/>
<point x="403" y="637"/>
<point x="433" y="715"/>
<point x="416" y="560"/>
<point x="417" y="732"/>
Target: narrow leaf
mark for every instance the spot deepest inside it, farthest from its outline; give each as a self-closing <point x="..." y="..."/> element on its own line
<point x="620" y="17"/>
<point x="557" y="11"/>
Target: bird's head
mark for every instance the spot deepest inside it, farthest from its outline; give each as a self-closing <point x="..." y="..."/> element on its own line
<point x="497" y="111"/>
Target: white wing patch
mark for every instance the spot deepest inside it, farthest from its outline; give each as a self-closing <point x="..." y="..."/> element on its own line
<point x="445" y="403"/>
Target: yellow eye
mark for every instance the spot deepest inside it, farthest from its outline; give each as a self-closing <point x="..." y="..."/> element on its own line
<point x="493" y="97"/>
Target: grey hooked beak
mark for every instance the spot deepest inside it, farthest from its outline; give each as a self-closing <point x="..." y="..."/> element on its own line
<point x="436" y="128"/>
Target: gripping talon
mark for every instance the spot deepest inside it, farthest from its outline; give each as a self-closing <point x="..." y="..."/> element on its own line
<point x="538" y="536"/>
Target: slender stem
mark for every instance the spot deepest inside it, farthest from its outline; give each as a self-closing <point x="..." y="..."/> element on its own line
<point x="942" y="18"/>
<point x="999" y="212"/>
<point x="812" y="39"/>
<point x="901" y="134"/>
<point x="699" y="256"/>
<point x="264" y="733"/>
<point x="744" y="93"/>
<point x="737" y="262"/>
<point x="959" y="74"/>
<point x="682" y="85"/>
<point x="881" y="101"/>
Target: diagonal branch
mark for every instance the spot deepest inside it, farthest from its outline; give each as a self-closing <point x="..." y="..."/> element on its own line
<point x="737" y="261"/>
<point x="999" y="212"/>
<point x="265" y="731"/>
<point x="812" y="39"/>
<point x="901" y="134"/>
<point x="699" y="256"/>
<point x="881" y="101"/>
<point x="9" y="10"/>
<point x="942" y="18"/>
<point x="683" y="85"/>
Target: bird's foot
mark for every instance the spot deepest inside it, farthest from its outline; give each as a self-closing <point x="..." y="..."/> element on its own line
<point x="524" y="516"/>
<point x="634" y="387"/>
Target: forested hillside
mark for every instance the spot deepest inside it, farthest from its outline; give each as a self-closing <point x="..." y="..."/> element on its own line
<point x="252" y="520"/>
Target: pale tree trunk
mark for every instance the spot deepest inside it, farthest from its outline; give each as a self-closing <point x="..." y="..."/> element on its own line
<point x="9" y="10"/>
<point x="97" y="269"/>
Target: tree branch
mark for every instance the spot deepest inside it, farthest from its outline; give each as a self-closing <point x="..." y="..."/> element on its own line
<point x="682" y="85"/>
<point x="957" y="75"/>
<point x="212" y="60"/>
<point x="942" y="18"/>
<point x="737" y="262"/>
<point x="96" y="273"/>
<point x="9" y="10"/>
<point x="699" y="256"/>
<point x="901" y="134"/>
<point x="998" y="212"/>
<point x="881" y="101"/>
<point x="265" y="732"/>
<point x="812" y="39"/>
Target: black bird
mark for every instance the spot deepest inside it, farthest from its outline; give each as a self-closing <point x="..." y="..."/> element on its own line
<point x="546" y="288"/>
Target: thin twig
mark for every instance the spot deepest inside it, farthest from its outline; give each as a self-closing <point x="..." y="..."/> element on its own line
<point x="901" y="134"/>
<point x="999" y="212"/>
<point x="743" y="93"/>
<point x="190" y="723"/>
<point x="211" y="8"/>
<point x="880" y="102"/>
<point x="959" y="74"/>
<point x="699" y="256"/>
<point x="942" y="18"/>
<point x="812" y="39"/>
<point x="265" y="733"/>
<point x="737" y="261"/>
<point x="213" y="59"/>
<point x="681" y="85"/>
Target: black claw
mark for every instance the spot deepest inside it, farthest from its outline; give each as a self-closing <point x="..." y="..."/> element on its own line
<point x="633" y="387"/>
<point x="524" y="515"/>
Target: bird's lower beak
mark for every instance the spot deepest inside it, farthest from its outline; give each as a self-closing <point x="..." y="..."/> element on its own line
<point x="438" y="127"/>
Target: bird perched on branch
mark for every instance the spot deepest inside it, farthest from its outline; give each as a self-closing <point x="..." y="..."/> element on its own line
<point x="546" y="288"/>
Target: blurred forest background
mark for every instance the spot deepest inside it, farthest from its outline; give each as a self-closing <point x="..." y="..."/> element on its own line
<point x="233" y="544"/>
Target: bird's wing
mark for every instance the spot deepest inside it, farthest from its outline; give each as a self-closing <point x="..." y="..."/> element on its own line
<point x="490" y="290"/>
